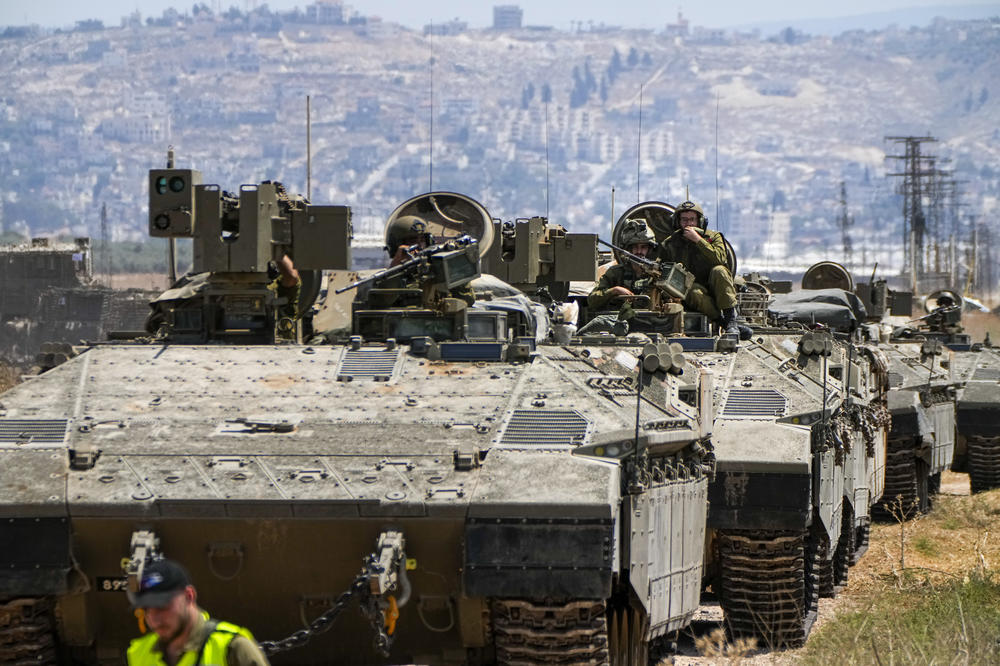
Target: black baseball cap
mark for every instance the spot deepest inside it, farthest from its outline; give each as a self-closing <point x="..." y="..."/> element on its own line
<point x="161" y="581"/>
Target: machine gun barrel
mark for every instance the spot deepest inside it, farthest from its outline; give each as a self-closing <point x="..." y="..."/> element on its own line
<point x="408" y="265"/>
<point x="649" y="263"/>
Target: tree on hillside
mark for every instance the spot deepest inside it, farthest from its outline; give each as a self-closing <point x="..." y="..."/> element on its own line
<point x="527" y="94"/>
<point x="633" y="57"/>
<point x="614" y="67"/>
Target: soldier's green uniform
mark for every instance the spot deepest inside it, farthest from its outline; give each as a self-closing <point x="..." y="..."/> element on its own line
<point x="713" y="291"/>
<point x="626" y="275"/>
<point x="616" y="276"/>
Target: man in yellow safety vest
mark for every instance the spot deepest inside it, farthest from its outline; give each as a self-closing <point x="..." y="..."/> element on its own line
<point x="181" y="633"/>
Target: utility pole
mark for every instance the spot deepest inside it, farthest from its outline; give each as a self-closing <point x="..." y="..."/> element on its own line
<point x="846" y="222"/>
<point x="106" y="260"/>
<point x="917" y="170"/>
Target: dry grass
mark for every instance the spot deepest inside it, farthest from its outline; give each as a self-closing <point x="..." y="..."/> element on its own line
<point x="943" y="607"/>
<point x="717" y="649"/>
<point x="955" y="538"/>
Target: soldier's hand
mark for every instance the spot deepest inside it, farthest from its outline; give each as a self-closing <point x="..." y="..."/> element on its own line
<point x="402" y="254"/>
<point x="619" y="291"/>
<point x="691" y="234"/>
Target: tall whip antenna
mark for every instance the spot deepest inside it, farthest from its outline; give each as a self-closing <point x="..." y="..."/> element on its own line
<point x="430" y="168"/>
<point x="612" y="236"/>
<point x="546" y="160"/>
<point x="718" y="215"/>
<point x="638" y="152"/>
<point x="309" y="182"/>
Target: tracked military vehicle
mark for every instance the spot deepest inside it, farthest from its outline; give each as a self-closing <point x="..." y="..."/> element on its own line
<point x="799" y="439"/>
<point x="922" y="397"/>
<point x="800" y="442"/>
<point x="974" y="369"/>
<point x="441" y="485"/>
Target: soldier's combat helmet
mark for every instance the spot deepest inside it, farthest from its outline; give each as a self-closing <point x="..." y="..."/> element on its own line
<point x="635" y="232"/>
<point x="406" y="230"/>
<point x="686" y="206"/>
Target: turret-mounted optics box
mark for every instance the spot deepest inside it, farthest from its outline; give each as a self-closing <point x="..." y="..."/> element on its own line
<point x="675" y="281"/>
<point x="454" y="268"/>
<point x="172" y="202"/>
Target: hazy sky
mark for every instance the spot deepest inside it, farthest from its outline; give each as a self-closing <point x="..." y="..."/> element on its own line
<point x="479" y="13"/>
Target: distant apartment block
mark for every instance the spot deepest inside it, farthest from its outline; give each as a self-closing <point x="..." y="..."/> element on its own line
<point x="452" y="27"/>
<point x="459" y="106"/>
<point x="326" y="12"/>
<point x="375" y="28"/>
<point x="658" y="145"/>
<point x="507" y="17"/>
<point x="145" y="128"/>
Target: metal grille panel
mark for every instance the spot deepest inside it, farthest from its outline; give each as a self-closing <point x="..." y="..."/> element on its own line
<point x="754" y="402"/>
<point x="32" y="431"/>
<point x="545" y="427"/>
<point x="374" y="363"/>
<point x="986" y="375"/>
<point x="895" y="380"/>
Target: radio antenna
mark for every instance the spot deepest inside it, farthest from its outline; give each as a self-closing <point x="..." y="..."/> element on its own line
<point x="309" y="182"/>
<point x="612" y="214"/>
<point x="546" y="160"/>
<point x="430" y="168"/>
<point x="638" y="152"/>
<point x="718" y="216"/>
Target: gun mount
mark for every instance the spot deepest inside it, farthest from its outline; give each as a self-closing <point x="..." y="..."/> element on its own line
<point x="531" y="254"/>
<point x="426" y="295"/>
<point x="235" y="238"/>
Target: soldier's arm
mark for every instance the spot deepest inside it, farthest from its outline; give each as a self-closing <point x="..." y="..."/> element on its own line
<point x="606" y="289"/>
<point x="599" y="295"/>
<point x="712" y="247"/>
<point x="287" y="275"/>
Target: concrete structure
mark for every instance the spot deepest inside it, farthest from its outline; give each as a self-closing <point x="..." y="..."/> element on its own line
<point x="507" y="17"/>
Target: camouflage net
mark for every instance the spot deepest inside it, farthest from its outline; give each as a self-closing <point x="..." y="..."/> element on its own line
<point x="869" y="420"/>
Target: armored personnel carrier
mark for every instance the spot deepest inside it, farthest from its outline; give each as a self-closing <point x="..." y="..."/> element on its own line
<point x="922" y="399"/>
<point x="977" y="449"/>
<point x="800" y="434"/>
<point x="799" y="439"/>
<point x="440" y="486"/>
<point x="975" y="371"/>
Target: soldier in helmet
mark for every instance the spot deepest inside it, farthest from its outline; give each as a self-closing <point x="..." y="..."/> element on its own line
<point x="406" y="235"/>
<point x="702" y="251"/>
<point x="620" y="280"/>
<point x="623" y="281"/>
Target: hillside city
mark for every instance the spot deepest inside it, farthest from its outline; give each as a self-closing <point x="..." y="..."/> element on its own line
<point x="576" y="125"/>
